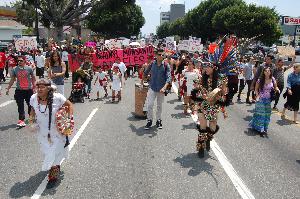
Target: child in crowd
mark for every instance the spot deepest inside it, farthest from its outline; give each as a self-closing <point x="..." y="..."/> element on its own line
<point x="116" y="83"/>
<point x="101" y="81"/>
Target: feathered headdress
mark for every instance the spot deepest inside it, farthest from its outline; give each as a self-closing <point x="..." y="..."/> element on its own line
<point x="224" y="55"/>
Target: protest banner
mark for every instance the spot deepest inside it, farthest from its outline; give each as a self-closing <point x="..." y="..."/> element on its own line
<point x="288" y="51"/>
<point x="90" y="44"/>
<point x="130" y="56"/>
<point x="25" y="43"/>
<point x="170" y="43"/>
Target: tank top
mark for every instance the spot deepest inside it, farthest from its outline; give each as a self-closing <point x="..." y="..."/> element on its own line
<point x="57" y="80"/>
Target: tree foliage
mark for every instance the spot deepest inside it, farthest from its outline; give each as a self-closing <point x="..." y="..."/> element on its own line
<point x="57" y="13"/>
<point x="25" y="13"/>
<point x="163" y="30"/>
<point x="212" y="18"/>
<point x="116" y="18"/>
<point x="249" y="21"/>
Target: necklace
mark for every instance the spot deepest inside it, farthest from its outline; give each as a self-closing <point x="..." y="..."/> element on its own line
<point x="39" y="105"/>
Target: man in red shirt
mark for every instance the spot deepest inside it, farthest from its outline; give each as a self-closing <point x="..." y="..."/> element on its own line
<point x="2" y="64"/>
<point x="25" y="86"/>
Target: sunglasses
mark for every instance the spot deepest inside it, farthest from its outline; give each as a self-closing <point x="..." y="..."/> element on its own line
<point x="20" y="60"/>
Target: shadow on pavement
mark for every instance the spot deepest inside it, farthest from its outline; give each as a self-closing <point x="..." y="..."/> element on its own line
<point x="251" y="110"/>
<point x="283" y="122"/>
<point x="248" y="118"/>
<point x="298" y="161"/>
<point x="189" y="126"/>
<point x="27" y="188"/>
<point x="179" y="107"/>
<point x="196" y="164"/>
<point x="7" y="127"/>
<point x="252" y="132"/>
<point x="179" y="115"/>
<point x="152" y="132"/>
<point x="173" y="101"/>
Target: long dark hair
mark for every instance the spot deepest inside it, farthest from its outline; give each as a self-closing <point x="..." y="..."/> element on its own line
<point x="52" y="61"/>
<point x="49" y="98"/>
<point x="263" y="78"/>
<point x="215" y="78"/>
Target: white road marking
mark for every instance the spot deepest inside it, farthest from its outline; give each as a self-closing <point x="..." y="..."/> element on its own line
<point x="238" y="183"/>
<point x="43" y="185"/>
<point x="6" y="103"/>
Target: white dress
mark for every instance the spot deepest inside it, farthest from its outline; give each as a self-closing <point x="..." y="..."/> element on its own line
<point x="116" y="83"/>
<point x="190" y="77"/>
<point x="101" y="77"/>
<point x="55" y="151"/>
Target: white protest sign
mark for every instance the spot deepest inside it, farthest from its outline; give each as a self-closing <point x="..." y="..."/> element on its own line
<point x="195" y="45"/>
<point x="126" y="42"/>
<point x="25" y="43"/>
<point x="67" y="30"/>
<point x="114" y="44"/>
<point x="191" y="45"/>
<point x="170" y="43"/>
<point x="183" y="45"/>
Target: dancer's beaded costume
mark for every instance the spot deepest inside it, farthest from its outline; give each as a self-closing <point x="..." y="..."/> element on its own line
<point x="224" y="58"/>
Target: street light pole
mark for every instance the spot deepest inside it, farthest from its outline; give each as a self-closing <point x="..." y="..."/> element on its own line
<point x="36" y="21"/>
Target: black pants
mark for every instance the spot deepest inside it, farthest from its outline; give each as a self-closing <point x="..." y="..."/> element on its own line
<point x="6" y="71"/>
<point x="2" y="77"/>
<point x="20" y="96"/>
<point x="249" y="82"/>
<point x="67" y="70"/>
<point x="277" y="95"/>
<point x="241" y="87"/>
<point x="232" y="90"/>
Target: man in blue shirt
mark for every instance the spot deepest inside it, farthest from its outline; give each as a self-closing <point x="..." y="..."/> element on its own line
<point x="160" y="79"/>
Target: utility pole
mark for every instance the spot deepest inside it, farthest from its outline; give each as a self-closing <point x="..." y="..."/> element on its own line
<point x="36" y="21"/>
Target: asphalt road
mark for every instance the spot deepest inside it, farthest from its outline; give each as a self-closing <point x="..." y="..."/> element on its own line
<point x="115" y="158"/>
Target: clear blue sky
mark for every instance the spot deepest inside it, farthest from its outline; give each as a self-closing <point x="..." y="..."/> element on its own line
<point x="152" y="8"/>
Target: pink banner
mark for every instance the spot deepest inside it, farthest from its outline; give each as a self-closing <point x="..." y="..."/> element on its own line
<point x="130" y="56"/>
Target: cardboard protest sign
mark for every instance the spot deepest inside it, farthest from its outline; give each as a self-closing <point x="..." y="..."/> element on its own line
<point x="126" y="42"/>
<point x="183" y="45"/>
<point x="130" y="56"/>
<point x="288" y="51"/>
<point x="195" y="45"/>
<point x="26" y="43"/>
<point x="114" y="44"/>
<point x="170" y="43"/>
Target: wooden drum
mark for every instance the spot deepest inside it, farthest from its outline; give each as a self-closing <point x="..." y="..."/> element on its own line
<point x="140" y="99"/>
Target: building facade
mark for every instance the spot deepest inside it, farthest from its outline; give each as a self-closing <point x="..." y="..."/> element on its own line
<point x="176" y="11"/>
<point x="164" y="17"/>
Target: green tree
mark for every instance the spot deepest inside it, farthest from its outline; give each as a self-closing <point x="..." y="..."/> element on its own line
<point x="58" y="13"/>
<point x="25" y="13"/>
<point x="248" y="21"/>
<point x="116" y="18"/>
<point x="163" y="30"/>
<point x="199" y="20"/>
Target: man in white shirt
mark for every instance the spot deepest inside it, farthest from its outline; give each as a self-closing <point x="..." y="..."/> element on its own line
<point x="40" y="64"/>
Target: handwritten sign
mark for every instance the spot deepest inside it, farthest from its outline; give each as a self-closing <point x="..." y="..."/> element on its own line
<point x="25" y="43"/>
<point x="288" y="51"/>
<point x="130" y="56"/>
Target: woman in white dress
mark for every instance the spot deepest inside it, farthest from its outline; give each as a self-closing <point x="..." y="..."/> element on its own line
<point x="45" y="104"/>
<point x="116" y="83"/>
<point x="189" y="74"/>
